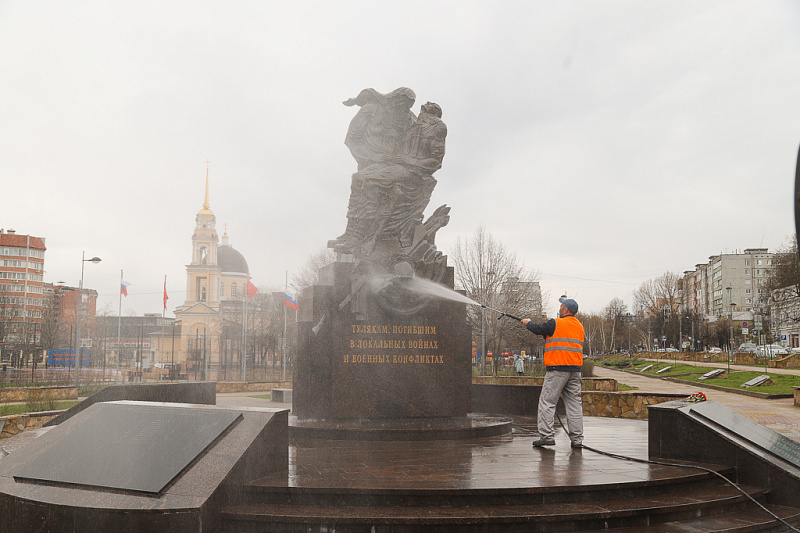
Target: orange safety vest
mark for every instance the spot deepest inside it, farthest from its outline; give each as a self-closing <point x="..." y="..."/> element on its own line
<point x="565" y="347"/>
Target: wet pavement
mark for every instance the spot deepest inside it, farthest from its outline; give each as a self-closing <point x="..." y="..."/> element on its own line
<point x="509" y="460"/>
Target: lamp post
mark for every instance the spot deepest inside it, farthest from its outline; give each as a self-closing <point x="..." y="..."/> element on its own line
<point x="94" y="260"/>
<point x="629" y="321"/>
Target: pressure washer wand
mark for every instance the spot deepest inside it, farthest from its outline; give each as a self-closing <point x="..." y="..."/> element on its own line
<point x="502" y="314"/>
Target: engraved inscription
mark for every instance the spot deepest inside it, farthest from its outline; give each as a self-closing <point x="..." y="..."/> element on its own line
<point x="419" y="340"/>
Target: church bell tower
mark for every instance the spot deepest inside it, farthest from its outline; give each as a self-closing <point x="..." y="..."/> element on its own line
<point x="202" y="272"/>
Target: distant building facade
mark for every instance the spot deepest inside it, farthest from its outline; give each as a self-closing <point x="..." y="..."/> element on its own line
<point x="62" y="304"/>
<point x="785" y="316"/>
<point x="132" y="339"/>
<point x="21" y="291"/>
<point x="705" y="290"/>
<point x="730" y="286"/>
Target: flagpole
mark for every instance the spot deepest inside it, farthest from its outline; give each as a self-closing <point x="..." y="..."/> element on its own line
<point x="244" y="337"/>
<point x="119" y="328"/>
<point x="283" y="351"/>
<point x="164" y="311"/>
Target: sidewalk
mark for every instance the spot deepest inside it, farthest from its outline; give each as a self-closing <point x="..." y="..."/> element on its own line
<point x="778" y="415"/>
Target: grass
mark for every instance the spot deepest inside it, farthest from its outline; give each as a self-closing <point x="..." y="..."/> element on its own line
<point x="782" y="383"/>
<point x="20" y="408"/>
<point x="267" y="396"/>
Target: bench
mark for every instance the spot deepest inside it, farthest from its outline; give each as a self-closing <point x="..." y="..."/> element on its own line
<point x="281" y="395"/>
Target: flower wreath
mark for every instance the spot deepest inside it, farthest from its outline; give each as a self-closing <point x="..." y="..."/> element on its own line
<point x="696" y="397"/>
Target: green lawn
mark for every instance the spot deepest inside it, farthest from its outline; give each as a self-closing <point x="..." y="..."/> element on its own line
<point x="782" y="383"/>
<point x="267" y="396"/>
<point x="16" y="409"/>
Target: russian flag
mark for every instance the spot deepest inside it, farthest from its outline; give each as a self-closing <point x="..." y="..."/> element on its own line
<point x="290" y="302"/>
<point x="123" y="287"/>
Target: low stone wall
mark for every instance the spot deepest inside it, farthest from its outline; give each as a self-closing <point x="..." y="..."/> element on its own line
<point x="790" y="361"/>
<point x="510" y="399"/>
<point x="14" y="424"/>
<point x="631" y="405"/>
<point x="587" y="384"/>
<point x="255" y="386"/>
<point x="33" y="394"/>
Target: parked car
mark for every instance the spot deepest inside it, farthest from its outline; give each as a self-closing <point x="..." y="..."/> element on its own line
<point x="771" y="350"/>
<point x="746" y="347"/>
<point x="715" y="350"/>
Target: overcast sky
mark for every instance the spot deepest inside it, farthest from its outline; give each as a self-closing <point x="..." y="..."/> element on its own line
<point x="604" y="143"/>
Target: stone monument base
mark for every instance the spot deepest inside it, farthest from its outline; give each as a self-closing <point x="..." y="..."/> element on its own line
<point x="472" y="426"/>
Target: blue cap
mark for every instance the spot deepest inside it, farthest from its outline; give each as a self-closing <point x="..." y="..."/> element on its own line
<point x="571" y="304"/>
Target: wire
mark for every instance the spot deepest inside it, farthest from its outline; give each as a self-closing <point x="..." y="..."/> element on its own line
<point x="663" y="463"/>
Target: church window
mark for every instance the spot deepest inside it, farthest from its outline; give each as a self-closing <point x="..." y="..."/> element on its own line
<point x="233" y="289"/>
<point x="222" y="289"/>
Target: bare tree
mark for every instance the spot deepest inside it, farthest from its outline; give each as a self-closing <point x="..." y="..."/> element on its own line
<point x="309" y="273"/>
<point x="786" y="273"/>
<point x="491" y="275"/>
<point x="658" y="303"/>
<point x="594" y="332"/>
<point x="613" y="313"/>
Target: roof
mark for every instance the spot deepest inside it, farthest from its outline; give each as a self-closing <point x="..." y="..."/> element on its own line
<point x="12" y="239"/>
<point x="229" y="260"/>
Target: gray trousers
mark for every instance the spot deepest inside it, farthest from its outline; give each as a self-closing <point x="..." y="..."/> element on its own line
<point x="568" y="385"/>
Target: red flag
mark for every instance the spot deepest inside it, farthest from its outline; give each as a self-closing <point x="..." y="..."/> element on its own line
<point x="165" y="294"/>
<point x="251" y="290"/>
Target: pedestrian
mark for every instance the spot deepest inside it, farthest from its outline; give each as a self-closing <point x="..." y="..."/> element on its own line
<point x="519" y="364"/>
<point x="563" y="359"/>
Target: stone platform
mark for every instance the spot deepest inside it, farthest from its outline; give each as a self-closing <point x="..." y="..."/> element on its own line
<point x="471" y="427"/>
<point x="499" y="483"/>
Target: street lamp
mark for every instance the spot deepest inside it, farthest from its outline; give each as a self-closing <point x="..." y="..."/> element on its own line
<point x="94" y="260"/>
<point x="730" y="316"/>
<point x="629" y="321"/>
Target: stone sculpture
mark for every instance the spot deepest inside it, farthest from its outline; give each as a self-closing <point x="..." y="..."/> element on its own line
<point x="397" y="154"/>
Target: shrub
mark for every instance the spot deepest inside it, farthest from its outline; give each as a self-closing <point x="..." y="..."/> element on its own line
<point x="40" y="400"/>
<point x="587" y="370"/>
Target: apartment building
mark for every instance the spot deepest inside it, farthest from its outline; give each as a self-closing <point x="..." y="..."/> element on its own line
<point x="21" y="290"/>
<point x="728" y="283"/>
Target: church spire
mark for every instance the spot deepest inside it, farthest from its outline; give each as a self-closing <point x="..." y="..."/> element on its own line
<point x="206" y="205"/>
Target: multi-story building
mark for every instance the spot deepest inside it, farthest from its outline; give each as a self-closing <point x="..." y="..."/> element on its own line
<point x="729" y="283"/>
<point x="21" y="292"/>
<point x="59" y="313"/>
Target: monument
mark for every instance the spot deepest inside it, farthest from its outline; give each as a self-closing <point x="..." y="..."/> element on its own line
<point x="371" y="348"/>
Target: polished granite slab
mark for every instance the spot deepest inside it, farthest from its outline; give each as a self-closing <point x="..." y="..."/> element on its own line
<point x="254" y="444"/>
<point x="763" y="437"/>
<point x="136" y="447"/>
